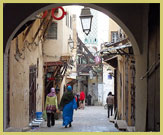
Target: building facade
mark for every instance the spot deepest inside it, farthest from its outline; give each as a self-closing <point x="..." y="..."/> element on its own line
<point x="120" y="56"/>
<point x="38" y="52"/>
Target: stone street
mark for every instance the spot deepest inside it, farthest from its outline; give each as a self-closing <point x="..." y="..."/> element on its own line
<point x="91" y="119"/>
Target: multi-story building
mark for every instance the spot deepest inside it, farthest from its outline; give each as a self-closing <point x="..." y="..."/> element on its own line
<point x="39" y="58"/>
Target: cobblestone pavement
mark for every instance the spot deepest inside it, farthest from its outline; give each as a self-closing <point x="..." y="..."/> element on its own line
<point x="91" y="119"/>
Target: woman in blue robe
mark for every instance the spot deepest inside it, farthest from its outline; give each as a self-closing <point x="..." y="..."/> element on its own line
<point x="67" y="105"/>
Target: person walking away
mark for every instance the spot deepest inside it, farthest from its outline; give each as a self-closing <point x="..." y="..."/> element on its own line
<point x="78" y="99"/>
<point x="51" y="107"/>
<point x="89" y="99"/>
<point x="110" y="103"/>
<point x="67" y="105"/>
<point x="82" y="98"/>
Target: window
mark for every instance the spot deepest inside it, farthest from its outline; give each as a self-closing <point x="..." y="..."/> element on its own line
<point x="52" y="31"/>
<point x="32" y="92"/>
<point x="114" y="36"/>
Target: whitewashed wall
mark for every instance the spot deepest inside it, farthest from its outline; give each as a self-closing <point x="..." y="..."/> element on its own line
<point x="108" y="84"/>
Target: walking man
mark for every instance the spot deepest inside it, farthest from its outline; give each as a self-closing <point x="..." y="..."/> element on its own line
<point x="110" y="103"/>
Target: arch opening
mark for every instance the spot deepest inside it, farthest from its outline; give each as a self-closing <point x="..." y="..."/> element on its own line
<point x="93" y="6"/>
<point x="101" y="9"/>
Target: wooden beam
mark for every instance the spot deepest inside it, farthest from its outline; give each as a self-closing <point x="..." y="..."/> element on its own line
<point x="124" y="52"/>
<point x="85" y="48"/>
<point x="110" y="58"/>
<point x="64" y="68"/>
<point x="54" y="63"/>
<point x="56" y="71"/>
<point x="123" y="41"/>
<point x="39" y="28"/>
<point x="46" y="28"/>
<point x="27" y="31"/>
<point x="65" y="58"/>
<point x="118" y="53"/>
<point x="85" y="65"/>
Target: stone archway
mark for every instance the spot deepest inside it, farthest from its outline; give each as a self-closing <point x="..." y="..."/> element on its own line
<point x="134" y="33"/>
<point x="137" y="49"/>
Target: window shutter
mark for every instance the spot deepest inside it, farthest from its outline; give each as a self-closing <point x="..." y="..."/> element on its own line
<point x="52" y="31"/>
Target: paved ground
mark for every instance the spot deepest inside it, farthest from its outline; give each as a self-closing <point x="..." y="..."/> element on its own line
<point x="91" y="119"/>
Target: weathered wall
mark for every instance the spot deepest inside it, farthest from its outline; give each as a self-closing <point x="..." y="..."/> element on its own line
<point x="71" y="73"/>
<point x="120" y="88"/>
<point x="141" y="91"/>
<point x="108" y="84"/>
<point x="141" y="85"/>
<point x="113" y="26"/>
<point x="74" y="51"/>
<point x="67" y="31"/>
<point x="125" y="89"/>
<point x="53" y="49"/>
<point x="100" y="88"/>
<point x="153" y="93"/>
<point x="93" y="89"/>
<point x="19" y="79"/>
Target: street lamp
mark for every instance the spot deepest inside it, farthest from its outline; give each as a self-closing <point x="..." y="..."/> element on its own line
<point x="71" y="43"/>
<point x="86" y="20"/>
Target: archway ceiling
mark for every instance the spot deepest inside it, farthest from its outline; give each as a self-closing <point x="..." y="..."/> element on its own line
<point x="130" y="14"/>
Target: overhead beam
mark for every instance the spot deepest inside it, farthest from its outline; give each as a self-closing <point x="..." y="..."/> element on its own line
<point x="123" y="41"/>
<point x="85" y="48"/>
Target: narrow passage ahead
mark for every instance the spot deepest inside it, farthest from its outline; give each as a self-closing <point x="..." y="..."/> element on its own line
<point x="91" y="119"/>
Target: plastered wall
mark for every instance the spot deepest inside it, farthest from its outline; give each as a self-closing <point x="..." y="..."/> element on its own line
<point x="19" y="79"/>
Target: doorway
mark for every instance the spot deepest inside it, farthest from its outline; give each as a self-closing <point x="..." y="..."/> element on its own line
<point x="32" y="92"/>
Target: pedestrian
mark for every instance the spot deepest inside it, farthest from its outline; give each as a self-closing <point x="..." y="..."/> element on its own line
<point x="67" y="105"/>
<point x="110" y="103"/>
<point x="77" y="95"/>
<point x="82" y="98"/>
<point x="89" y="99"/>
<point x="51" y="107"/>
<point x="75" y="98"/>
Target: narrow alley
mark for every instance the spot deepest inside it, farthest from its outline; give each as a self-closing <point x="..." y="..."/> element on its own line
<point x="91" y="119"/>
<point x="62" y="57"/>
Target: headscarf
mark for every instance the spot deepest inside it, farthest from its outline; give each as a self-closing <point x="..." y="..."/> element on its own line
<point x="52" y="93"/>
<point x="69" y="88"/>
<point x="67" y="97"/>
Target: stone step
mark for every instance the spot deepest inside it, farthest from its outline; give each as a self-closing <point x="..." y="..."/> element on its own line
<point x="36" y="123"/>
<point x="130" y="129"/>
<point x="38" y="120"/>
<point x="121" y="124"/>
<point x="111" y="119"/>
